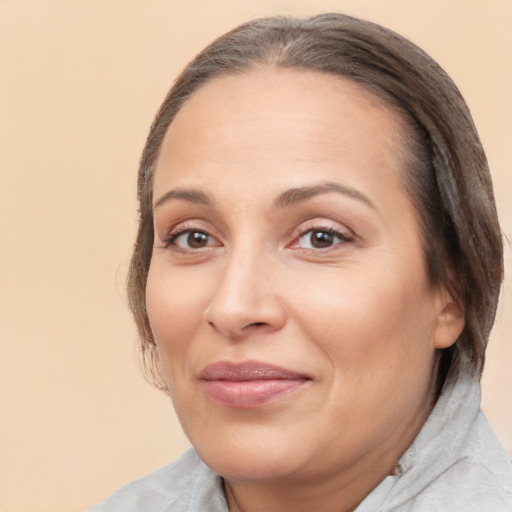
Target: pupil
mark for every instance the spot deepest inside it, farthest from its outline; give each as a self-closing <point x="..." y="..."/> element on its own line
<point x="321" y="239"/>
<point x="197" y="239"/>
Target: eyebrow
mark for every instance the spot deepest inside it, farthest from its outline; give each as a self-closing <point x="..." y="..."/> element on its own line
<point x="288" y="198"/>
<point x="297" y="195"/>
<point x="190" y="195"/>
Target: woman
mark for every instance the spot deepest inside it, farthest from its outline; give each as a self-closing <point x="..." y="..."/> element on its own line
<point x="315" y="277"/>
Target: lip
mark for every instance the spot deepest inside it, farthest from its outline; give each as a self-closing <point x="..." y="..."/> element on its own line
<point x="249" y="384"/>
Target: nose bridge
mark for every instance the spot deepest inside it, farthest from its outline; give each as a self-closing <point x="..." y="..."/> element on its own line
<point x="245" y="298"/>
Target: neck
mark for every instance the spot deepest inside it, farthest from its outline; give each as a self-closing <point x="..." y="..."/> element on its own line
<point x="324" y="494"/>
<point x="278" y="498"/>
<point x="341" y="489"/>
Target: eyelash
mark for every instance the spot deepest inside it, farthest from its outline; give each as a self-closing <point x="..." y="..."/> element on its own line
<point x="334" y="233"/>
<point x="173" y="237"/>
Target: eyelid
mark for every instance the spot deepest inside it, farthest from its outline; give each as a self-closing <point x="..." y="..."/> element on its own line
<point x="173" y="238"/>
<point x="325" y="225"/>
<point x="187" y="226"/>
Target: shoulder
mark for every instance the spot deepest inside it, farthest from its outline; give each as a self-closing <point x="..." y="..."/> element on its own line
<point x="466" y="487"/>
<point x="456" y="462"/>
<point x="176" y="487"/>
<point x="479" y="479"/>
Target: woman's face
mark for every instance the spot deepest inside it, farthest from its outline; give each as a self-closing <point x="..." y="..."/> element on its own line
<point x="287" y="291"/>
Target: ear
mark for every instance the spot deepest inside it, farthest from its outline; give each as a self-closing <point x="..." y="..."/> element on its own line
<point x="450" y="320"/>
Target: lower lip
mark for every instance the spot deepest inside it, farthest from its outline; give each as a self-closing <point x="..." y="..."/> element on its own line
<point x="251" y="393"/>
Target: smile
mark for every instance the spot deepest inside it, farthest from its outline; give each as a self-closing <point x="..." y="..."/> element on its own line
<point x="249" y="384"/>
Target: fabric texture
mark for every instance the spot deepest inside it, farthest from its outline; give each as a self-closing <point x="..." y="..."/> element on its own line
<point x="455" y="464"/>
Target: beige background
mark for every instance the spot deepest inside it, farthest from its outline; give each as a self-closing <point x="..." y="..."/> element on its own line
<point x="79" y="84"/>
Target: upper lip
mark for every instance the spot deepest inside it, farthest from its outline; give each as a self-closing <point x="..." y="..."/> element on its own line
<point x="248" y="370"/>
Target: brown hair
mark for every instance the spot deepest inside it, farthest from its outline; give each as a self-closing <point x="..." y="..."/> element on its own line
<point x="447" y="174"/>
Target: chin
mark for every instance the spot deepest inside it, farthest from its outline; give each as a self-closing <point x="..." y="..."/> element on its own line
<point x="246" y="468"/>
<point x="255" y="458"/>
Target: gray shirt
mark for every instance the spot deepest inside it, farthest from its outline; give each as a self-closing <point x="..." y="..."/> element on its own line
<point x="455" y="464"/>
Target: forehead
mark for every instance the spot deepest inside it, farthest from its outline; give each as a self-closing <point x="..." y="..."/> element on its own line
<point x="266" y="117"/>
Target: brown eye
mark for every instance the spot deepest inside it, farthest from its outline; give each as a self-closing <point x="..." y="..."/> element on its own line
<point x="321" y="239"/>
<point x="191" y="239"/>
<point x="197" y="239"/>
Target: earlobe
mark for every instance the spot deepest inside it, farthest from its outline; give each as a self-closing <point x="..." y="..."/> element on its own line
<point x="449" y="323"/>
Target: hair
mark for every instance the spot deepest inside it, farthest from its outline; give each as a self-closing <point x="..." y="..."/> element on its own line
<point x="446" y="173"/>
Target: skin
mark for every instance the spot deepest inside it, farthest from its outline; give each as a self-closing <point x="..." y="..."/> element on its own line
<point x="358" y="316"/>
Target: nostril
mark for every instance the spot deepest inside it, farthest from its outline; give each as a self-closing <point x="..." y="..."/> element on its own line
<point x="256" y="324"/>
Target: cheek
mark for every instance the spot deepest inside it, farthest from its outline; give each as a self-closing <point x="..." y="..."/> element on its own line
<point x="377" y="336"/>
<point x="369" y="319"/>
<point x="175" y="306"/>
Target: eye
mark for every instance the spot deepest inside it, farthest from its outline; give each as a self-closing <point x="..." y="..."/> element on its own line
<point x="191" y="239"/>
<point x="321" y="239"/>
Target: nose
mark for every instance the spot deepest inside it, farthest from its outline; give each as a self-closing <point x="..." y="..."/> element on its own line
<point x="245" y="301"/>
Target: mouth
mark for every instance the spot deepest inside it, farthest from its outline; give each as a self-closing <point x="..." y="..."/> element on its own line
<point x="249" y="384"/>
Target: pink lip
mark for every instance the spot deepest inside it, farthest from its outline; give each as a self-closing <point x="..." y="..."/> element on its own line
<point x="248" y="384"/>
